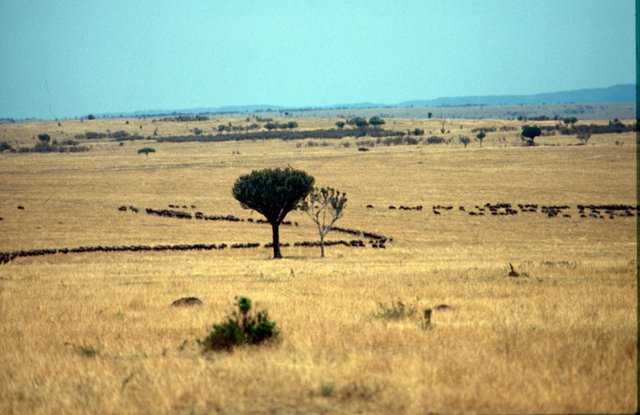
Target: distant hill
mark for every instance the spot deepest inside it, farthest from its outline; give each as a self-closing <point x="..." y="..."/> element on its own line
<point x="201" y="110"/>
<point x="615" y="94"/>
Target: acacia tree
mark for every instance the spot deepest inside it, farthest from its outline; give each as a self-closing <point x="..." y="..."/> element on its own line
<point x="273" y="193"/>
<point x="359" y="122"/>
<point x="376" y="121"/>
<point x="530" y="133"/>
<point x="324" y="206"/>
<point x="44" y="138"/>
<point x="146" y="150"/>
<point x="480" y="136"/>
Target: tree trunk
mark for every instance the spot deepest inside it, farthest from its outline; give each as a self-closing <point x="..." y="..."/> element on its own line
<point x="321" y="246"/>
<point x="276" y="240"/>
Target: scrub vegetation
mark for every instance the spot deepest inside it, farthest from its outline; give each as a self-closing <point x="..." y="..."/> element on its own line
<point x="486" y="277"/>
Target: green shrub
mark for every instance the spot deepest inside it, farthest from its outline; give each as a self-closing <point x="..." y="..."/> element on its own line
<point x="326" y="389"/>
<point x="240" y="327"/>
<point x="395" y="310"/>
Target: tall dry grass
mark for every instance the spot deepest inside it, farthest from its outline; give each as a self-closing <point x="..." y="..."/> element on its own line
<point x="95" y="333"/>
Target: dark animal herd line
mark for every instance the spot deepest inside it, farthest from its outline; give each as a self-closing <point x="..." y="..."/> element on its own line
<point x="179" y="214"/>
<point x="375" y="240"/>
<point x="599" y="211"/>
<point x="6" y="257"/>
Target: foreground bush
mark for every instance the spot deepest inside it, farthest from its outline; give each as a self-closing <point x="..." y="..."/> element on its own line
<point x="240" y="327"/>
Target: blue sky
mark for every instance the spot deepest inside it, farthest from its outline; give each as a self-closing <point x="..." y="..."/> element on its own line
<point x="119" y="56"/>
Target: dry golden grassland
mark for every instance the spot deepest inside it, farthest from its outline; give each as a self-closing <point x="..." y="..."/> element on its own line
<point x="95" y="332"/>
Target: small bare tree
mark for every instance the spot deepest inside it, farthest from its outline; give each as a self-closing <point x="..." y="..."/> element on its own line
<point x="324" y="206"/>
<point x="583" y="137"/>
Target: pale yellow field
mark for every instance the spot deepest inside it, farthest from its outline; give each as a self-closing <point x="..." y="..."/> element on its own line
<point x="95" y="332"/>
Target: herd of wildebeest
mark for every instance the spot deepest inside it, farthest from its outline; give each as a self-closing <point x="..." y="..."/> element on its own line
<point x="374" y="240"/>
<point x="551" y="211"/>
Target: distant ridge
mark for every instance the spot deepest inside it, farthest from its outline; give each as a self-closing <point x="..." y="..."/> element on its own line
<point x="616" y="94"/>
<point x="624" y="93"/>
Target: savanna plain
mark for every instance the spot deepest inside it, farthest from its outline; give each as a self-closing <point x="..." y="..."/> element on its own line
<point x="95" y="332"/>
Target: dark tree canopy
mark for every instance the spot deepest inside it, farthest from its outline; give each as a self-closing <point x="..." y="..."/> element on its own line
<point x="480" y="136"/>
<point x="44" y="138"/>
<point x="273" y="193"/>
<point x="359" y="122"/>
<point x="146" y="151"/>
<point x="376" y="121"/>
<point x="531" y="133"/>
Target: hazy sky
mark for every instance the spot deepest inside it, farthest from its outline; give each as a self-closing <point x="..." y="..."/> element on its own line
<point x="126" y="55"/>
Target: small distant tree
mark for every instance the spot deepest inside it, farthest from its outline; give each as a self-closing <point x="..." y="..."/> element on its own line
<point x="324" y="206"/>
<point x="91" y="117"/>
<point x="583" y="137"/>
<point x="340" y="124"/>
<point x="4" y="146"/>
<point x="359" y="122"/>
<point x="429" y="115"/>
<point x="146" y="151"/>
<point x="44" y="138"/>
<point x="273" y="193"/>
<point x="480" y="136"/>
<point x="529" y="134"/>
<point x="292" y="124"/>
<point x="376" y="121"/>
<point x="465" y="140"/>
<point x="570" y="120"/>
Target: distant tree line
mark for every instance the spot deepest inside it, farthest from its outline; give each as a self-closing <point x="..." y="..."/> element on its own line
<point x="615" y="126"/>
<point x="286" y="135"/>
<point x="185" y="118"/>
<point x="117" y="135"/>
<point x="46" y="145"/>
<point x="222" y="128"/>
<point x="281" y="126"/>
